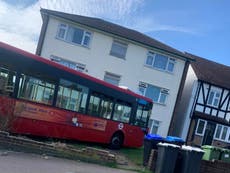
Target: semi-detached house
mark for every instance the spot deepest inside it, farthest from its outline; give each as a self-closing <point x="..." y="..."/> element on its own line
<point x="203" y="114"/>
<point x="118" y="55"/>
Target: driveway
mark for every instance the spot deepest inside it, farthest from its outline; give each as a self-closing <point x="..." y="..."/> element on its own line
<point x="13" y="162"/>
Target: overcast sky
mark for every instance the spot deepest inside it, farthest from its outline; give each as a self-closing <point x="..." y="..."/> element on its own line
<point x="200" y="27"/>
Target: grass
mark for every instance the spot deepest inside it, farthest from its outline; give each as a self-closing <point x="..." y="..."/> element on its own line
<point x="134" y="154"/>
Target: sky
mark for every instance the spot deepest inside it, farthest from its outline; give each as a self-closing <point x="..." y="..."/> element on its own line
<point x="200" y="27"/>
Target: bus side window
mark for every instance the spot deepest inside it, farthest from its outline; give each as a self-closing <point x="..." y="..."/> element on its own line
<point x="94" y="104"/>
<point x="72" y="96"/>
<point x="7" y="81"/>
<point x="142" y="116"/>
<point x="122" y="112"/>
<point x="36" y="90"/>
<point x="106" y="108"/>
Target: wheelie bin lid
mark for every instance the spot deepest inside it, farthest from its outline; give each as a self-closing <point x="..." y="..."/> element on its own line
<point x="209" y="147"/>
<point x="153" y="137"/>
<point x="174" y="139"/>
<point x="190" y="148"/>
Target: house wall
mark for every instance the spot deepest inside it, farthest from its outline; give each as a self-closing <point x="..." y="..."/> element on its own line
<point x="185" y="106"/>
<point x="132" y="70"/>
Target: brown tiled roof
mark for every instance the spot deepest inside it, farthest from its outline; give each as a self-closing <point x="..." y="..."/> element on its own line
<point x="210" y="71"/>
<point x="115" y="29"/>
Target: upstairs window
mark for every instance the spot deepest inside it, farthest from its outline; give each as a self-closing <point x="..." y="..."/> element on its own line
<point x="118" y="49"/>
<point x="74" y="35"/>
<point x="214" y="98"/>
<point x="159" y="61"/>
<point x="112" y="78"/>
<point x="157" y="94"/>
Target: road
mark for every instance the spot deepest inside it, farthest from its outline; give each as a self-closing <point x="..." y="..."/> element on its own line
<point x="16" y="162"/>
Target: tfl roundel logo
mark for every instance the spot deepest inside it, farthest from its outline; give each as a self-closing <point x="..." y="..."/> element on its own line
<point x="120" y="126"/>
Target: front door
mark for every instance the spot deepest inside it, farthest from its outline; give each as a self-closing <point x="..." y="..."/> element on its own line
<point x="209" y="133"/>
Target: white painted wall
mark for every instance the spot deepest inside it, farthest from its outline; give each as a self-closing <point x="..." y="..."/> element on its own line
<point x="132" y="70"/>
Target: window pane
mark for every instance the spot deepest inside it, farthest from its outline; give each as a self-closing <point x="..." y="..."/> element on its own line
<point x="122" y="113"/>
<point x="142" y="116"/>
<point x="7" y="81"/>
<point x="78" y="35"/>
<point x="153" y="92"/>
<point x="160" y="61"/>
<point x="61" y="31"/>
<point x="200" y="127"/>
<point x="162" y="98"/>
<point x="170" y="66"/>
<point x="155" y="126"/>
<point x="224" y="133"/>
<point x="210" y="98"/>
<point x="112" y="78"/>
<point x="72" y="96"/>
<point x="94" y="105"/>
<point x="218" y="131"/>
<point x="106" y="109"/>
<point x="118" y="49"/>
<point x="36" y="90"/>
<point x="149" y="60"/>
<point x="86" y="40"/>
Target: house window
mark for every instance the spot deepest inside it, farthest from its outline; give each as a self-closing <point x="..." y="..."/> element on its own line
<point x="74" y="35"/>
<point x="112" y="78"/>
<point x="160" y="62"/>
<point x="200" y="127"/>
<point x="118" y="49"/>
<point x="157" y="94"/>
<point x="73" y="65"/>
<point x="222" y="133"/>
<point x="214" y="98"/>
<point x="154" y="124"/>
<point x="62" y="29"/>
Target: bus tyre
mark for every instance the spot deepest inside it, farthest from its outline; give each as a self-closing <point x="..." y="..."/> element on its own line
<point x="116" y="141"/>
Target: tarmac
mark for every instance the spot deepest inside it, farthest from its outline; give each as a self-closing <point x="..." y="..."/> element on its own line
<point x="18" y="162"/>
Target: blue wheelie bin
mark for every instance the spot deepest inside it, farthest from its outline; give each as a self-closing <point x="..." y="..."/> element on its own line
<point x="174" y="140"/>
<point x="150" y="142"/>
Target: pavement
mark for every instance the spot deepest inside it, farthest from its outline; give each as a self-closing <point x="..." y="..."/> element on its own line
<point x="17" y="162"/>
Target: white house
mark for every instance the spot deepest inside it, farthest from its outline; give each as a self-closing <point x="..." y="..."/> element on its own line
<point x="117" y="55"/>
<point x="203" y="114"/>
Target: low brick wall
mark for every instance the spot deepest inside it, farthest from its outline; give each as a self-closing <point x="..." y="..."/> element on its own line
<point x="215" y="166"/>
<point x="56" y="149"/>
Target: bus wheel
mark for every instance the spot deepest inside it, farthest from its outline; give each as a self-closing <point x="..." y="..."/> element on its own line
<point x="117" y="141"/>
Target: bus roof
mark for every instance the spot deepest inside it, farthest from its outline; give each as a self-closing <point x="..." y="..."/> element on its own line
<point x="62" y="67"/>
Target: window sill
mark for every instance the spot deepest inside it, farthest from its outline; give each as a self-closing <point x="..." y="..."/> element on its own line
<point x="148" y="66"/>
<point x="161" y="104"/>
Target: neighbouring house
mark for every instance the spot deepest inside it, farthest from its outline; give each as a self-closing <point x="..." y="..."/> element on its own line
<point x="203" y="113"/>
<point x="118" y="55"/>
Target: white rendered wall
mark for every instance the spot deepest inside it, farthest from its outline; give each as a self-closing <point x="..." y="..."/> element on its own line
<point x="132" y="69"/>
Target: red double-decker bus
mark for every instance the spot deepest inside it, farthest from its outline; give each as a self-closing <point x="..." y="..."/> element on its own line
<point x="42" y="98"/>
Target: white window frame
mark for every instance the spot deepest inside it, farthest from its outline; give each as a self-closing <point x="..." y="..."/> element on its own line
<point x="221" y="133"/>
<point x="169" y="60"/>
<point x="205" y="124"/>
<point x="215" y="91"/>
<point x="86" y="33"/>
<point x="120" y="44"/>
<point x="163" y="91"/>
<point x="155" y="123"/>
